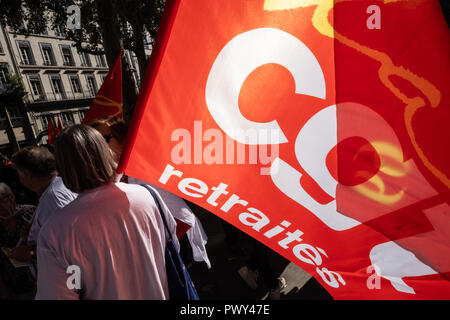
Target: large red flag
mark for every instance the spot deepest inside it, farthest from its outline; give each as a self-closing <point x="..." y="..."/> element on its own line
<point x="317" y="127"/>
<point x="108" y="101"/>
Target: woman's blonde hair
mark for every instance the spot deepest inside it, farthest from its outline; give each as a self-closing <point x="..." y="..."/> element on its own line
<point x="83" y="158"/>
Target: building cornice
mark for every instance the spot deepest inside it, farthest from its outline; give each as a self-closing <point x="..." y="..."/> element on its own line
<point x="61" y="68"/>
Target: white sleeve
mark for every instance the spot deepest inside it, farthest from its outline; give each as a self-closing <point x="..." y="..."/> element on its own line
<point x="35" y="227"/>
<point x="46" y="207"/>
<point x="198" y="239"/>
<point x="52" y="277"/>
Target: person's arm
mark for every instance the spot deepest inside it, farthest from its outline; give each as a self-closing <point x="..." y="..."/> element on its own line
<point x="23" y="252"/>
<point x="52" y="281"/>
<point x="27" y="216"/>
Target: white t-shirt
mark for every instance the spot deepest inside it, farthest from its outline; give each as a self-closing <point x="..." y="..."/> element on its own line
<point x="55" y="197"/>
<point x="115" y="237"/>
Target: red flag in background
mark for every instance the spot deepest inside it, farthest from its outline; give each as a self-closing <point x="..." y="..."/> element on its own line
<point x="351" y="98"/>
<point x="51" y="130"/>
<point x="59" y="126"/>
<point x="108" y="101"/>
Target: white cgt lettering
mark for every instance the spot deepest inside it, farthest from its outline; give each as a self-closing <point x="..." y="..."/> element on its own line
<point x="252" y="49"/>
<point x="240" y="57"/>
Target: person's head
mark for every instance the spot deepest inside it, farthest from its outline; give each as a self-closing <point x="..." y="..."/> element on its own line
<point x="7" y="201"/>
<point x="83" y="158"/>
<point x="102" y="126"/>
<point x="36" y="166"/>
<point x="114" y="131"/>
<point x="119" y="131"/>
<point x="3" y="160"/>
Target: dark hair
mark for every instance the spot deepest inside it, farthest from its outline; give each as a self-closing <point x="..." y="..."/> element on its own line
<point x="83" y="158"/>
<point x="99" y="122"/>
<point x="39" y="161"/>
<point x="119" y="130"/>
<point x="3" y="159"/>
<point x="118" y="127"/>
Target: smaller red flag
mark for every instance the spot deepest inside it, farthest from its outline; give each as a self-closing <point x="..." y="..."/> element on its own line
<point x="59" y="126"/>
<point x="108" y="101"/>
<point x="51" y="130"/>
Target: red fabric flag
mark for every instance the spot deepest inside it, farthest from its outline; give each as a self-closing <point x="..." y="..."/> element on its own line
<point x="51" y="130"/>
<point x="59" y="126"/>
<point x="108" y="101"/>
<point x="317" y="127"/>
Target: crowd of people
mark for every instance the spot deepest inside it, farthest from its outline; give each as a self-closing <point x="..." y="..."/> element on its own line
<point x="64" y="206"/>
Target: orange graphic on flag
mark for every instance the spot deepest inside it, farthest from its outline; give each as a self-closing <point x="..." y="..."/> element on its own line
<point x="108" y="101"/>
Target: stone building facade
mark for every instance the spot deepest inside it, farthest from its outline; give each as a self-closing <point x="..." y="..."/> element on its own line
<point x="57" y="82"/>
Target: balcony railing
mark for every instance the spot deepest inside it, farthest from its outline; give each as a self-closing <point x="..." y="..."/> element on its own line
<point x="27" y="63"/>
<point x="51" y="96"/>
